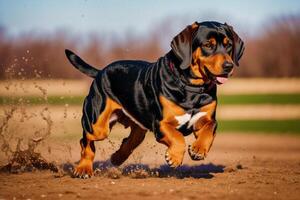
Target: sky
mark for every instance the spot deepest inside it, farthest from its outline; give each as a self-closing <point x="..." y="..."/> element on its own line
<point x="121" y="16"/>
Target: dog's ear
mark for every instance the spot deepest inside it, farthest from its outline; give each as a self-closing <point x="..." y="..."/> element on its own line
<point x="182" y="45"/>
<point x="237" y="46"/>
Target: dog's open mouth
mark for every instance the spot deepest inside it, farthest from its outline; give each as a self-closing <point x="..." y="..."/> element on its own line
<point x="219" y="79"/>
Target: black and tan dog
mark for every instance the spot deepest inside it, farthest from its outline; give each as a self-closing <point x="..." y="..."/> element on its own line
<point x="173" y="97"/>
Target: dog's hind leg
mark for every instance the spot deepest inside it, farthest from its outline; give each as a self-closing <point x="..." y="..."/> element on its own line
<point x="85" y="166"/>
<point x="101" y="126"/>
<point x="100" y="131"/>
<point x="135" y="138"/>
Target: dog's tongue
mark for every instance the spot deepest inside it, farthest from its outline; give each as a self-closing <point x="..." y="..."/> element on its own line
<point x="222" y="79"/>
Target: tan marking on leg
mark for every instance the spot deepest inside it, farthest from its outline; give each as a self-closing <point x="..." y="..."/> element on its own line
<point x="170" y="110"/>
<point x="204" y="133"/>
<point x="203" y="142"/>
<point x="101" y="127"/>
<point x="210" y="110"/>
<point x="85" y="167"/>
<point x="173" y="139"/>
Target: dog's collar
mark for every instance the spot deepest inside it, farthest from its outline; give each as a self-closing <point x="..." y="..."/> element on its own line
<point x="183" y="86"/>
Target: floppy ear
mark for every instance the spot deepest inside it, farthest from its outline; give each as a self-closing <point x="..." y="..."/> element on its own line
<point x="238" y="45"/>
<point x="182" y="45"/>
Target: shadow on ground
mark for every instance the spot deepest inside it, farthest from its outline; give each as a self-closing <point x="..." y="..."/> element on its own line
<point x="106" y="169"/>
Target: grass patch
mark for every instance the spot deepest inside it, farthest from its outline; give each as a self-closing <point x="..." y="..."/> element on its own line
<point x="32" y="100"/>
<point x="259" y="99"/>
<point x="265" y="126"/>
<point x="223" y="99"/>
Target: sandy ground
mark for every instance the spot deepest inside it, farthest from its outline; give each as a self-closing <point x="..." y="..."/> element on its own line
<point x="239" y="166"/>
<point x="81" y="87"/>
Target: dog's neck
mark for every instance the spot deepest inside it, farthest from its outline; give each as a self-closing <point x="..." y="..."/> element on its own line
<point x="185" y="76"/>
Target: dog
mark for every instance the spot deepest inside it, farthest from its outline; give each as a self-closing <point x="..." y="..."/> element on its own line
<point x="172" y="98"/>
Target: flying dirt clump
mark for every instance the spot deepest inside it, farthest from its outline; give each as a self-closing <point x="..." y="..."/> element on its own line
<point x="20" y="160"/>
<point x="27" y="160"/>
<point x="24" y="160"/>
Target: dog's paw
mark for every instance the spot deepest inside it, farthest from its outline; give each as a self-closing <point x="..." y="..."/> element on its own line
<point x="195" y="155"/>
<point x="172" y="160"/>
<point x="84" y="170"/>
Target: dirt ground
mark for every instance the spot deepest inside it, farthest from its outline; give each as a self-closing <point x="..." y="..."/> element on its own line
<point x="239" y="166"/>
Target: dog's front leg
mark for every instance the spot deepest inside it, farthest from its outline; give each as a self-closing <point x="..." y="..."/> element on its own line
<point x="204" y="131"/>
<point x="175" y="142"/>
<point x="204" y="140"/>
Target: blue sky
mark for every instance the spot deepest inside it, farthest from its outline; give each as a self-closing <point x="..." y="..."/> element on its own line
<point x="121" y="16"/>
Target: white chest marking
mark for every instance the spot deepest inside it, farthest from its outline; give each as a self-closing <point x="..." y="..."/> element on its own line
<point x="183" y="119"/>
<point x="195" y="118"/>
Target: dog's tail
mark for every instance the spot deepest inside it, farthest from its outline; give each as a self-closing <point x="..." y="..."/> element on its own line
<point x="79" y="64"/>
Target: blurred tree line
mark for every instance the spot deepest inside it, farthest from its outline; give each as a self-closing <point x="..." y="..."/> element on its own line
<point x="272" y="53"/>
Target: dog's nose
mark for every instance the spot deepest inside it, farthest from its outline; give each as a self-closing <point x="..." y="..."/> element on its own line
<point x="227" y="66"/>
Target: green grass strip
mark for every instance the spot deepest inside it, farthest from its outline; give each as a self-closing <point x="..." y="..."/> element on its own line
<point x="259" y="99"/>
<point x="52" y="100"/>
<point x="264" y="126"/>
<point x="222" y="99"/>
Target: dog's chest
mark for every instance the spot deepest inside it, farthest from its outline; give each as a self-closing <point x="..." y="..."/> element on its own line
<point x="188" y="119"/>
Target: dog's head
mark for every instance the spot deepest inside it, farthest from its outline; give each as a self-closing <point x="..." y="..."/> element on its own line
<point x="208" y="51"/>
